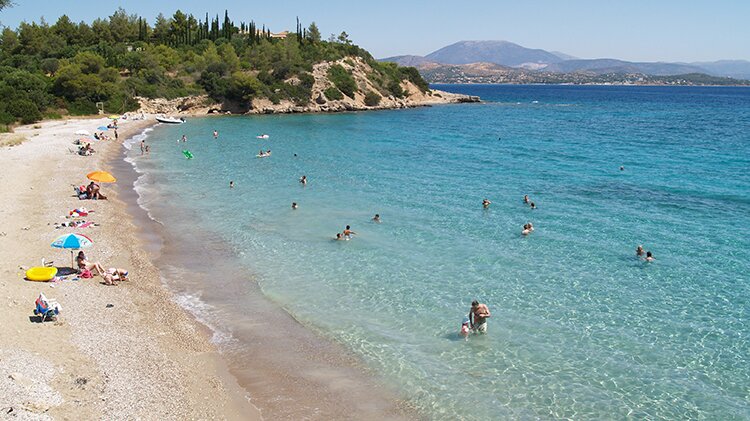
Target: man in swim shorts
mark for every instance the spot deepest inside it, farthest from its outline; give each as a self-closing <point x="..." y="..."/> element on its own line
<point x="478" y="316"/>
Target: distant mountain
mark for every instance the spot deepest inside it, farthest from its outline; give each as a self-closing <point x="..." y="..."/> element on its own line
<point x="738" y="69"/>
<point x="503" y="53"/>
<point x="607" y="65"/>
<point x="498" y="52"/>
<point x="564" y="56"/>
<point x="413" y="61"/>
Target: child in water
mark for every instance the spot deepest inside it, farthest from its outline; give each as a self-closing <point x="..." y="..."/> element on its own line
<point x="465" y="328"/>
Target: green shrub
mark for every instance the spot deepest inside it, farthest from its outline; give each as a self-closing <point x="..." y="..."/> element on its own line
<point x="25" y="110"/>
<point x="372" y="99"/>
<point x="395" y="89"/>
<point x="343" y="80"/>
<point x="333" y="94"/>
<point x="82" y="106"/>
<point x="412" y="74"/>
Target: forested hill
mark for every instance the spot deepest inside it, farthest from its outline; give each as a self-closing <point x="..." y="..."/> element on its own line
<point x="66" y="67"/>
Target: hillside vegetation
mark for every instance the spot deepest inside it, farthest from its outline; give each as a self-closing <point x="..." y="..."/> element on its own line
<point x="67" y="67"/>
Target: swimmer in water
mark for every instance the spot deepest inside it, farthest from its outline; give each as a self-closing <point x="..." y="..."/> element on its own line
<point x="622" y="168"/>
<point x="231" y="184"/>
<point x="486" y="203"/>
<point x="294" y="205"/>
<point x="184" y="138"/>
<point x="303" y="180"/>
<point x="340" y="237"/>
<point x="649" y="257"/>
<point x="639" y="251"/>
<point x="526" y="198"/>
<point x="533" y="206"/>
<point x="376" y="218"/>
<point x="527" y="229"/>
<point x="216" y="134"/>
<point x="348" y="232"/>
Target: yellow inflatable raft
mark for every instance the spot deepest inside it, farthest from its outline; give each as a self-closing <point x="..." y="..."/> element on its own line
<point x="41" y="274"/>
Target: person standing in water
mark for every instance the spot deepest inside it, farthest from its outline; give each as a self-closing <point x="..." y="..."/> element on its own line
<point x="376" y="218"/>
<point x="478" y="316"/>
<point x="486" y="203"/>
<point x="639" y="251"/>
<point x="526" y="198"/>
<point x="216" y="134"/>
<point x="294" y="205"/>
<point x="143" y="146"/>
<point x="303" y="180"/>
<point x="184" y="138"/>
<point x="231" y="184"/>
<point x="348" y="232"/>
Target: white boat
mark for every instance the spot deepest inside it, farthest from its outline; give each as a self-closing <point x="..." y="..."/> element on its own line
<point x="262" y="136"/>
<point x="170" y="120"/>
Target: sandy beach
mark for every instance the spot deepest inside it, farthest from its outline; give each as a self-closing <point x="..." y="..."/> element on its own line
<point x="116" y="352"/>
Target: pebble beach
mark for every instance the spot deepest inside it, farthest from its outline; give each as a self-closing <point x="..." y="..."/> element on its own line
<point x="116" y="352"/>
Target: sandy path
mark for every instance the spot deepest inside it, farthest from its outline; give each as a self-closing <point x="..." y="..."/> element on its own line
<point x="144" y="358"/>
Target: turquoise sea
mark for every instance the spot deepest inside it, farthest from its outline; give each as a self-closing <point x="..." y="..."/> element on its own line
<point x="580" y="327"/>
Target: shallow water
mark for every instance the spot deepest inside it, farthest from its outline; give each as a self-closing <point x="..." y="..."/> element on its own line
<point x="580" y="327"/>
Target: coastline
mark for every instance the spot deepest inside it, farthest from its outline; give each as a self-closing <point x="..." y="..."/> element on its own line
<point x="146" y="356"/>
<point x="290" y="370"/>
<point x="143" y="357"/>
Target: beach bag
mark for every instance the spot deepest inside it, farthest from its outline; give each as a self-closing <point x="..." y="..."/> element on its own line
<point x="87" y="274"/>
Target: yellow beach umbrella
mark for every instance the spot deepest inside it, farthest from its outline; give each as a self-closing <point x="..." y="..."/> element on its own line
<point x="101" y="176"/>
<point x="114" y="117"/>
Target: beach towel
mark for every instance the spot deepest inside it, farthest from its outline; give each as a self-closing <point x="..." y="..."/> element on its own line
<point x="87" y="274"/>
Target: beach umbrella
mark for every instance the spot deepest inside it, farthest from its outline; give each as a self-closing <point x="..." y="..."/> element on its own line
<point x="83" y="133"/>
<point x="72" y="242"/>
<point x="102" y="128"/>
<point x="114" y="117"/>
<point x="101" y="176"/>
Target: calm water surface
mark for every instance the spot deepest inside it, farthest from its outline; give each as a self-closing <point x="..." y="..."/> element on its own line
<point x="580" y="328"/>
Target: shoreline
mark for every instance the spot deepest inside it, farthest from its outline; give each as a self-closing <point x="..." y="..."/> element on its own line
<point x="143" y="357"/>
<point x="282" y="383"/>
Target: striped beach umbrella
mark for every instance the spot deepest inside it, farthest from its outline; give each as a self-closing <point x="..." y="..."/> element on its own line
<point x="72" y="242"/>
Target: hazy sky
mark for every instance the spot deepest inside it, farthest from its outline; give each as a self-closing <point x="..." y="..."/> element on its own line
<point x="637" y="30"/>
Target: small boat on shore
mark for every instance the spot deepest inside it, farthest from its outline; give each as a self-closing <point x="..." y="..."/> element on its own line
<point x="170" y="120"/>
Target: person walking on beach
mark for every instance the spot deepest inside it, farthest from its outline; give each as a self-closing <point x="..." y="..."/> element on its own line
<point x="478" y="316"/>
<point x="117" y="137"/>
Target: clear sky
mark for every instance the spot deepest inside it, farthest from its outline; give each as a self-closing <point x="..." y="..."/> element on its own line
<point x="636" y="30"/>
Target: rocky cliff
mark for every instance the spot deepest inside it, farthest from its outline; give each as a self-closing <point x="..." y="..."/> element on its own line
<point x="360" y="71"/>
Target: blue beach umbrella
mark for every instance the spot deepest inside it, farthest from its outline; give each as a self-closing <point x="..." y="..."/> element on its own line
<point x="72" y="242"/>
<point x="102" y="128"/>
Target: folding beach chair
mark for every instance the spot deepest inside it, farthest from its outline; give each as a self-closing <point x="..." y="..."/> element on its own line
<point x="46" y="308"/>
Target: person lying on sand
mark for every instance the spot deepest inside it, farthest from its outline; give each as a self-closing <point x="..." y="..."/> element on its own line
<point x="85" y="264"/>
<point x="115" y="275"/>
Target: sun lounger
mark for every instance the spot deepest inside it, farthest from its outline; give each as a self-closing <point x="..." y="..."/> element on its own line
<point x="47" y="308"/>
